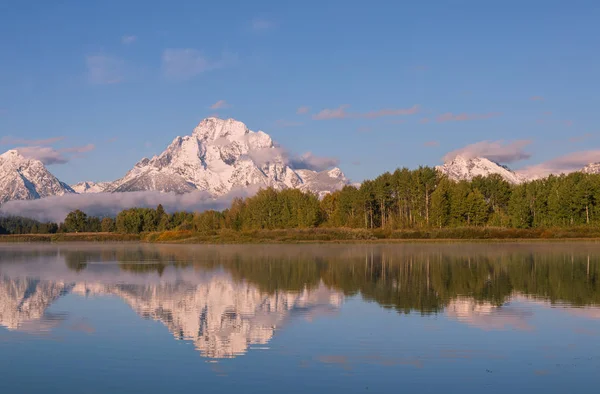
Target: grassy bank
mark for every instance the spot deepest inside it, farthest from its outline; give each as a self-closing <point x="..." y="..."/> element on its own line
<point x="318" y="235"/>
<point x="362" y="235"/>
<point x="70" y="237"/>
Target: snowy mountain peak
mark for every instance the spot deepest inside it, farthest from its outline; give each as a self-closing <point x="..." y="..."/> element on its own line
<point x="211" y="129"/>
<point x="219" y="156"/>
<point x="592" y="168"/>
<point x="14" y="158"/>
<point x="13" y="153"/>
<point x="90" y="187"/>
<point x="336" y="173"/>
<point x="465" y="168"/>
<point x="24" y="178"/>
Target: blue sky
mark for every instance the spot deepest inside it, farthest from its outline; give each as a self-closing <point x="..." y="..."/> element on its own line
<point x="401" y="83"/>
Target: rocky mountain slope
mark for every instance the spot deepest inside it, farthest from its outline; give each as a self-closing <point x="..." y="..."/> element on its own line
<point x="90" y="187"/>
<point x="23" y="178"/>
<point x="218" y="157"/>
<point x="222" y="155"/>
<point x="463" y="168"/>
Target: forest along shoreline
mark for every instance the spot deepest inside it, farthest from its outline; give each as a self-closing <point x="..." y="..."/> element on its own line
<point x="421" y="204"/>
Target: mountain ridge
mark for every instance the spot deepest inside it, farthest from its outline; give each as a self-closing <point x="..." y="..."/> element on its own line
<point x="218" y="157"/>
<point x="24" y="178"/>
<point x="464" y="168"/>
<point x="221" y="155"/>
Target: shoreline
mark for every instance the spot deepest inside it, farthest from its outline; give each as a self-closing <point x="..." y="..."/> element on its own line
<point x="319" y="236"/>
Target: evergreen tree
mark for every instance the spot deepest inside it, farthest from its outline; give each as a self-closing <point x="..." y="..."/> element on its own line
<point x="440" y="204"/>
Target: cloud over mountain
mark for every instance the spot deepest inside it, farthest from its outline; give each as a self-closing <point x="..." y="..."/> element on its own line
<point x="9" y="140"/>
<point x="308" y="161"/>
<point x="341" y="113"/>
<point x="563" y="164"/>
<point x="498" y="151"/>
<point x="45" y="154"/>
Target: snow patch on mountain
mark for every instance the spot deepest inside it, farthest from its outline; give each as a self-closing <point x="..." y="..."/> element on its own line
<point x="463" y="168"/>
<point x="90" y="187"/>
<point x="24" y="178"/>
<point x="222" y="155"/>
<point x="592" y="168"/>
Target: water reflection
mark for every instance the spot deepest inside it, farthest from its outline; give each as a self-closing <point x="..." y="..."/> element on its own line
<point x="226" y="299"/>
<point x="222" y="318"/>
<point x="23" y="303"/>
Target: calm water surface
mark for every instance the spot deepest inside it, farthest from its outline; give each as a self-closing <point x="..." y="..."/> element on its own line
<point x="426" y="318"/>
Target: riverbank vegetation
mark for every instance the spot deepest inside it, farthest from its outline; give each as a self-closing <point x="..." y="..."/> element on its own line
<point x="418" y="204"/>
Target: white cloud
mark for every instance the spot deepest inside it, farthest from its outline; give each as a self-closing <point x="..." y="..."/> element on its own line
<point x="45" y="154"/>
<point x="341" y="113"/>
<point x="309" y="161"/>
<point x="302" y="110"/>
<point x="79" y="149"/>
<point x="126" y="40"/>
<point x="450" y="117"/>
<point x="335" y="113"/>
<point x="268" y="155"/>
<point x="219" y="105"/>
<point x="562" y="165"/>
<point x="49" y="156"/>
<point x="306" y="161"/>
<point x="104" y="70"/>
<point x="392" y="112"/>
<point x="187" y="63"/>
<point x="56" y="208"/>
<point x="497" y="151"/>
<point x="9" y="140"/>
<point x="260" y="24"/>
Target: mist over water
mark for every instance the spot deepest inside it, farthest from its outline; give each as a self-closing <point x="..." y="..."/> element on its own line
<point x="300" y="318"/>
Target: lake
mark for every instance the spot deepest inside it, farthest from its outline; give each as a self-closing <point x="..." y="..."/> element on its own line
<point x="427" y="318"/>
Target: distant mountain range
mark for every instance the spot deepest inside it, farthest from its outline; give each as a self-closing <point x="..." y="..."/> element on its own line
<point x="218" y="157"/>
<point x="461" y="168"/>
<point x="27" y="179"/>
<point x="90" y="187"/>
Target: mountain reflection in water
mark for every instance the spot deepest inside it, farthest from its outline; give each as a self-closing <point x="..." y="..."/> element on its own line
<point x="227" y="298"/>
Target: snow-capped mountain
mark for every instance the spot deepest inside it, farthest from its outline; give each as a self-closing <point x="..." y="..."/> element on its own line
<point x="23" y="178"/>
<point x="222" y="155"/>
<point x="592" y="168"/>
<point x="90" y="187"/>
<point x="323" y="182"/>
<point x="462" y="168"/>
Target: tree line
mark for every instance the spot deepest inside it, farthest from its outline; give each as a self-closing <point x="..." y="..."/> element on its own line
<point x="405" y="199"/>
